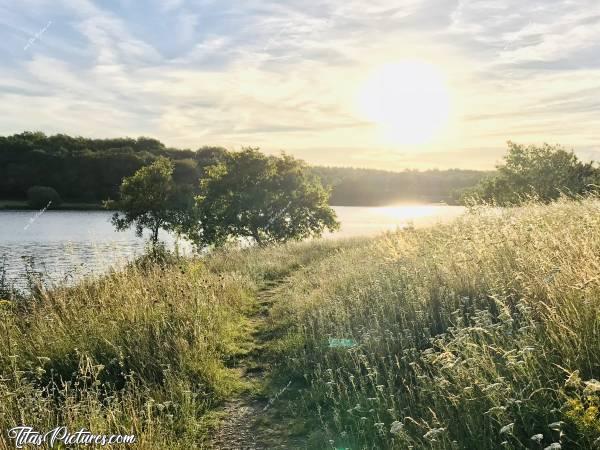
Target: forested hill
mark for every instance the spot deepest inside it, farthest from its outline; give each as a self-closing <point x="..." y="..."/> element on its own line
<point x="368" y="187"/>
<point x="91" y="170"/>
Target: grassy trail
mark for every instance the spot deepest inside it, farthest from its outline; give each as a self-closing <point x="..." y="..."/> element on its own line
<point x="247" y="421"/>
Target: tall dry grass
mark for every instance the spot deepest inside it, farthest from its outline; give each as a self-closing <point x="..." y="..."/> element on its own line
<point x="480" y="334"/>
<point x="141" y="351"/>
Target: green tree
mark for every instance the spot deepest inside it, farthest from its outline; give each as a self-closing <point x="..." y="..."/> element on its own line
<point x="150" y="199"/>
<point x="265" y="198"/>
<point x="544" y="172"/>
<point x="42" y="196"/>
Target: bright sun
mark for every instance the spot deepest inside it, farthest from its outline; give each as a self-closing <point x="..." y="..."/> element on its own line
<point x="408" y="99"/>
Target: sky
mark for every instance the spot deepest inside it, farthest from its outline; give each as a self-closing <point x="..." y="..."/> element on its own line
<point x="379" y="84"/>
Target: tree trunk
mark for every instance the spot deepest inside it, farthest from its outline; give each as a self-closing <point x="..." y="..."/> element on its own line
<point x="155" y="235"/>
<point x="154" y="238"/>
<point x="257" y="238"/>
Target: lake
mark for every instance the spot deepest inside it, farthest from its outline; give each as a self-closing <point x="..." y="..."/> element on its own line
<point x="66" y="245"/>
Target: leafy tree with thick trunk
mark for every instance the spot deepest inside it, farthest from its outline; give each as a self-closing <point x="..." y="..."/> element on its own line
<point x="263" y="198"/>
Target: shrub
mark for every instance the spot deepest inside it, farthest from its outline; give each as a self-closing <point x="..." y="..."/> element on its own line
<point x="544" y="172"/>
<point x="40" y="196"/>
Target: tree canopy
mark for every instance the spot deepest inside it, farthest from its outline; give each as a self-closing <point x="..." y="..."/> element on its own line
<point x="544" y="172"/>
<point x="88" y="170"/>
<point x="150" y="199"/>
<point x="42" y="197"/>
<point x="265" y="198"/>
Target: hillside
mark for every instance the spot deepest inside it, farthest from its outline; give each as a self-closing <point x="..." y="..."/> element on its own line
<point x="482" y="333"/>
<point x="369" y="187"/>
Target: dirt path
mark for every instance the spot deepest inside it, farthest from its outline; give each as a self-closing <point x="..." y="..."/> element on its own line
<point x="246" y="424"/>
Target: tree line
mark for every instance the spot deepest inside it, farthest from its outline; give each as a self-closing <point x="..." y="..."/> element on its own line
<point x="90" y="171"/>
<point x="60" y="167"/>
<point x="369" y="187"/>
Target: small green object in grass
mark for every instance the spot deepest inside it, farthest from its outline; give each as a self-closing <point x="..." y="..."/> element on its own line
<point x="341" y="343"/>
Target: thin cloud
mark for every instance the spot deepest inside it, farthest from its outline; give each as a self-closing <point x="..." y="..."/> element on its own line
<point x="284" y="75"/>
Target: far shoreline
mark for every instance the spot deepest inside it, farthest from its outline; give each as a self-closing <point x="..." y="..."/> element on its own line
<point x="22" y="205"/>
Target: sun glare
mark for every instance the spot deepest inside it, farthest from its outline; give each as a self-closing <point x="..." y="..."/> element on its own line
<point x="409" y="100"/>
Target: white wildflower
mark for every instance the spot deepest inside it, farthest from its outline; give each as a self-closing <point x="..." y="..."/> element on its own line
<point x="592" y="385"/>
<point x="537" y="437"/>
<point x="396" y="427"/>
<point x="556" y="426"/>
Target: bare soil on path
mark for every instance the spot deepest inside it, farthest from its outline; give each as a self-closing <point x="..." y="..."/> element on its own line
<point x="247" y="420"/>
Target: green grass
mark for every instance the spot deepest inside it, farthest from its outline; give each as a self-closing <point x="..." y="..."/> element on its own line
<point x="479" y="334"/>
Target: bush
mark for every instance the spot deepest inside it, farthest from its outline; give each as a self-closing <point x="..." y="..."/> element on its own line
<point x="41" y="196"/>
<point x="542" y="172"/>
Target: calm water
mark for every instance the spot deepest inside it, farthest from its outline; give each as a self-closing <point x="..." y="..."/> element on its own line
<point x="66" y="245"/>
<point x="367" y="221"/>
